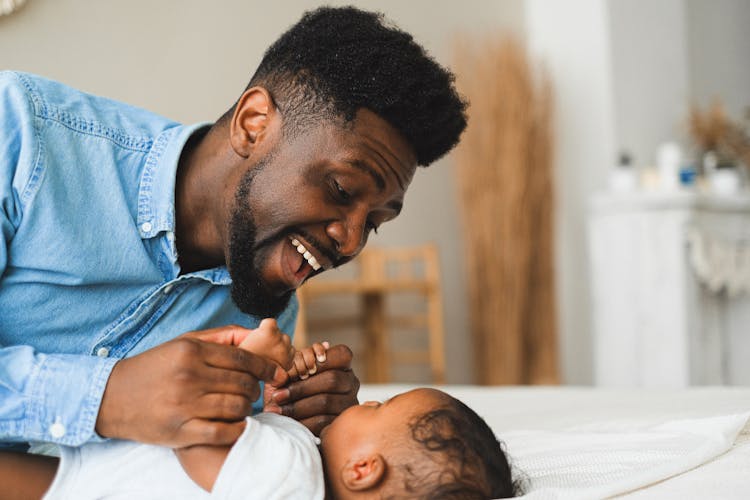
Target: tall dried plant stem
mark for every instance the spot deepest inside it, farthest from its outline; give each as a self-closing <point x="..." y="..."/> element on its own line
<point x="505" y="180"/>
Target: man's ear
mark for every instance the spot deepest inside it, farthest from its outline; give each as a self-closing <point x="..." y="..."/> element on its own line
<point x="363" y="473"/>
<point x="250" y="121"/>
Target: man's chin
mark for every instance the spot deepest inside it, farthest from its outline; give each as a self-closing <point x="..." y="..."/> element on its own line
<point x="258" y="301"/>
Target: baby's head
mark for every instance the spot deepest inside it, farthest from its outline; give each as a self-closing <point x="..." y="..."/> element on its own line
<point x="419" y="444"/>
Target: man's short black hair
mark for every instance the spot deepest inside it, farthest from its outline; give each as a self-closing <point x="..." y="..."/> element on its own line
<point x="457" y="457"/>
<point x="335" y="61"/>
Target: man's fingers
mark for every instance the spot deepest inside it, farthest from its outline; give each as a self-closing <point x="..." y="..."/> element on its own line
<point x="221" y="380"/>
<point x="219" y="406"/>
<point x="234" y="358"/>
<point x="227" y="335"/>
<point x="329" y="382"/>
<point x="319" y="404"/>
<point x="338" y="357"/>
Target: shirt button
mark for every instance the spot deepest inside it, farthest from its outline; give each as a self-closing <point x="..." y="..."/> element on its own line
<point x="103" y="352"/>
<point x="146" y="227"/>
<point x="57" y="430"/>
<point x="168" y="289"/>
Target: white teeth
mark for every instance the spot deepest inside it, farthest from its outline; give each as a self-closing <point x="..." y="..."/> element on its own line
<point x="307" y="255"/>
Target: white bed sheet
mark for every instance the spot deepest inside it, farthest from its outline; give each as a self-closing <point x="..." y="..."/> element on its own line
<point x="557" y="408"/>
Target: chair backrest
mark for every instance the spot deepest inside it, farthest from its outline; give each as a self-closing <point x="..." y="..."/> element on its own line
<point x="379" y="272"/>
<point x="415" y="267"/>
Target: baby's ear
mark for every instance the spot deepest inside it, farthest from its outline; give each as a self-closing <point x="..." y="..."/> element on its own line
<point x="363" y="473"/>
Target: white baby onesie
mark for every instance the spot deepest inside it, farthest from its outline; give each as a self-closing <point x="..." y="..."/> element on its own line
<point x="275" y="458"/>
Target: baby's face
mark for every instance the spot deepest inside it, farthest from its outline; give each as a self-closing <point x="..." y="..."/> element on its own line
<point x="375" y="427"/>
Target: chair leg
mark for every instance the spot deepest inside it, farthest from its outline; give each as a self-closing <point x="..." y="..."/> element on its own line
<point x="436" y="336"/>
<point x="376" y="352"/>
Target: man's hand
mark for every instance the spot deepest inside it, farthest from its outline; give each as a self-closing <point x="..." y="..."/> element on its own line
<point x="195" y="389"/>
<point x="317" y="400"/>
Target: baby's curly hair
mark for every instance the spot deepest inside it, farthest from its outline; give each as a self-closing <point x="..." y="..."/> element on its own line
<point x="335" y="61"/>
<point x="457" y="457"/>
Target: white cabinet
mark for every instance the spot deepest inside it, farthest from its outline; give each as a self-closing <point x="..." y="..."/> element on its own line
<point x="670" y="301"/>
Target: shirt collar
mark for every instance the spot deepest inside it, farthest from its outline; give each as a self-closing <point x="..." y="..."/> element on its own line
<point x="156" y="210"/>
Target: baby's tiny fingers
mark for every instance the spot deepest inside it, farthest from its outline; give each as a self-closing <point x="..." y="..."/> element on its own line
<point x="300" y="365"/>
<point x="320" y="351"/>
<point x="309" y="357"/>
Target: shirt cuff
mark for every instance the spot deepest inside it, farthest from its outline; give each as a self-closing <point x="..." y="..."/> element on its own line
<point x="65" y="394"/>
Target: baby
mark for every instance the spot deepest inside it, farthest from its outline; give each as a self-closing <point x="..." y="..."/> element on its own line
<point x="419" y="444"/>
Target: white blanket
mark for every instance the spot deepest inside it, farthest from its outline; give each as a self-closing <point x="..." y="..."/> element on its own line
<point x="625" y="414"/>
<point x="605" y="461"/>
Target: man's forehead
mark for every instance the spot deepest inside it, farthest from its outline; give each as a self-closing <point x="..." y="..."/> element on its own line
<point x="388" y="144"/>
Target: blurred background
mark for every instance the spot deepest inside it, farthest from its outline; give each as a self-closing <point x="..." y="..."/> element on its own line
<point x="544" y="217"/>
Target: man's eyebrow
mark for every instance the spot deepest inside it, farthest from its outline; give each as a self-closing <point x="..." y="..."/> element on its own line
<point x="379" y="181"/>
<point x="394" y="205"/>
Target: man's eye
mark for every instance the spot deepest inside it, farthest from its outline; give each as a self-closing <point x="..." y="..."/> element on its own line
<point x="341" y="192"/>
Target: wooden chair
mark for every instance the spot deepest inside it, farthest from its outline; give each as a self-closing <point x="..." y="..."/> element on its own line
<point x="382" y="272"/>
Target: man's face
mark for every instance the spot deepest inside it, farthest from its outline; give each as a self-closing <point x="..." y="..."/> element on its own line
<point x="310" y="205"/>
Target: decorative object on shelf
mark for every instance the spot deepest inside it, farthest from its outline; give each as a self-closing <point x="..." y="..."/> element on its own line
<point x="505" y="179"/>
<point x="623" y="178"/>
<point x="668" y="161"/>
<point x="724" y="147"/>
<point x="7" y="7"/>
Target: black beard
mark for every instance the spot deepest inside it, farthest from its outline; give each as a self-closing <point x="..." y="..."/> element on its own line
<point x="249" y="293"/>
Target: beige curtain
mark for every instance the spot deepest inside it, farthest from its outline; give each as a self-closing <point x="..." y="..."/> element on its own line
<point x="505" y="179"/>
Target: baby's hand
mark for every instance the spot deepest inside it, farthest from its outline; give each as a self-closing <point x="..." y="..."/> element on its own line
<point x="268" y="341"/>
<point x="304" y="361"/>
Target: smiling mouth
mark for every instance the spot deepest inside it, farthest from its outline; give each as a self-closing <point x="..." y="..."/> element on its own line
<point x="309" y="257"/>
<point x="318" y="261"/>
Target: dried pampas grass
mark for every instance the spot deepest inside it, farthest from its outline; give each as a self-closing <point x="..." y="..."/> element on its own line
<point x="505" y="179"/>
<point x="713" y="130"/>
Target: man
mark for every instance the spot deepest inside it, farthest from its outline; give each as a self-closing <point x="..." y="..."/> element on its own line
<point x="121" y="230"/>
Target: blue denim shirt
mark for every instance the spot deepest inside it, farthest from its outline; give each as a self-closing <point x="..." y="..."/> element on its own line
<point x="88" y="265"/>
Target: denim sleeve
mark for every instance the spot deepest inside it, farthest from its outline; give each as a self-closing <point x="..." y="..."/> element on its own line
<point x="42" y="397"/>
<point x="52" y="398"/>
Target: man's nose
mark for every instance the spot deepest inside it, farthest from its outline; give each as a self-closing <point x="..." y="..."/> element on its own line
<point x="348" y="237"/>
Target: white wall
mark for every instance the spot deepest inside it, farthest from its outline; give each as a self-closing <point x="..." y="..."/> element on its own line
<point x="572" y="39"/>
<point x="718" y="34"/>
<point x="649" y="74"/>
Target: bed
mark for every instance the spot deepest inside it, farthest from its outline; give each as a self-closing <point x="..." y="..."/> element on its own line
<point x="705" y="468"/>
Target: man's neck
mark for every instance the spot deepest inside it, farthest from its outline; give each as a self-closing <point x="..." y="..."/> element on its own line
<point x="199" y="203"/>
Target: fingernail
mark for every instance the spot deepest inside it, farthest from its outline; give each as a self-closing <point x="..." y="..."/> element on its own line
<point x="280" y="396"/>
<point x="303" y="376"/>
<point x="326" y="344"/>
<point x="312" y="370"/>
